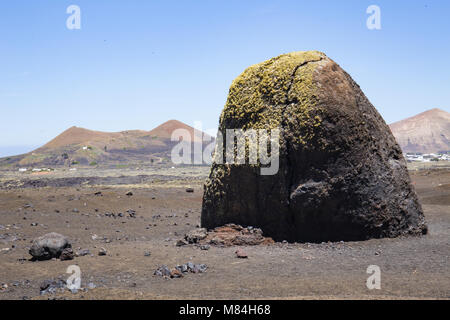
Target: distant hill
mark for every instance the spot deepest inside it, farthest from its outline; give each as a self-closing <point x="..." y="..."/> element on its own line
<point x="427" y="132"/>
<point x="79" y="146"/>
<point x="166" y="129"/>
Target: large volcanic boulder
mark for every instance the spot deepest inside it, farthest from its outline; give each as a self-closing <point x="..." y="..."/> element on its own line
<point x="341" y="173"/>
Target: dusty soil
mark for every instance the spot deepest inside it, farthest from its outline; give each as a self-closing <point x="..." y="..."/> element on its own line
<point x="412" y="267"/>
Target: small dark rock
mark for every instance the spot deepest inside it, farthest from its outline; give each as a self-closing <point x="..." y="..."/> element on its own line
<point x="190" y="266"/>
<point x="50" y="286"/>
<point x="199" y="268"/>
<point x="241" y="254"/>
<point x="83" y="252"/>
<point x="66" y="254"/>
<point x="196" y="235"/>
<point x="175" y="273"/>
<point x="181" y="243"/>
<point x="162" y="271"/>
<point x="182" y="268"/>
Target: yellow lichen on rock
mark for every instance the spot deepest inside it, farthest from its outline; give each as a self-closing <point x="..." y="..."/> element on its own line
<point x="258" y="97"/>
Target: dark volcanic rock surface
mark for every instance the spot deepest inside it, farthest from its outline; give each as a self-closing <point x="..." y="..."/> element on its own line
<point x="341" y="176"/>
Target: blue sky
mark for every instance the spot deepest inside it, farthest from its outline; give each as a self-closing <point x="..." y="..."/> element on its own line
<point x="135" y="64"/>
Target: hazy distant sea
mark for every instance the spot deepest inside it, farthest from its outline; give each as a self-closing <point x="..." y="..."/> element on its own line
<point x="7" y="151"/>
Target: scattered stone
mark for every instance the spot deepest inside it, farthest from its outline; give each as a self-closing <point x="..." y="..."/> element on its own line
<point x="175" y="273"/>
<point x="195" y="268"/>
<point x="66" y="254"/>
<point x="182" y="268"/>
<point x="102" y="252"/>
<point x="236" y="235"/>
<point x="51" y="286"/>
<point x="49" y="246"/>
<point x="83" y="252"/>
<point x="91" y="285"/>
<point x="199" y="268"/>
<point x="162" y="271"/>
<point x="181" y="243"/>
<point x="339" y="173"/>
<point x="190" y="265"/>
<point x="195" y="236"/>
<point x="241" y="254"/>
<point x="179" y="270"/>
<point x="228" y="235"/>
<point x="131" y="213"/>
<point x="147" y="253"/>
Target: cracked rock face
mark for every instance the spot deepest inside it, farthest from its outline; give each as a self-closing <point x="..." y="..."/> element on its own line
<point x="341" y="176"/>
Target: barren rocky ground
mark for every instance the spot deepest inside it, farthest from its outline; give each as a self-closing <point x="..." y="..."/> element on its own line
<point x="140" y="231"/>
